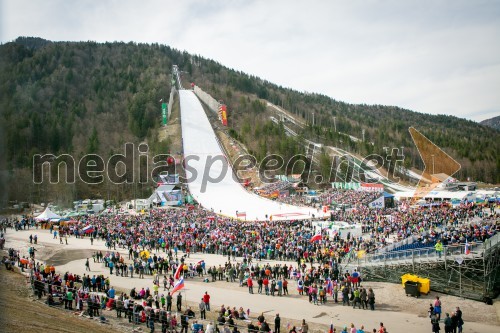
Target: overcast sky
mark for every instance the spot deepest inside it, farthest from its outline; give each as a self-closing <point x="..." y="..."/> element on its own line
<point x="439" y="57"/>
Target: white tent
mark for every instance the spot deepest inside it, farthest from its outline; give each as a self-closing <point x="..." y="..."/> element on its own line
<point x="47" y="215"/>
<point x="338" y="227"/>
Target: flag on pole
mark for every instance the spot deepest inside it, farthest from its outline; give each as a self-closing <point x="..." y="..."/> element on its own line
<point x="316" y="238"/>
<point x="88" y="229"/>
<point x="178" y="285"/>
<point x="178" y="272"/>
<point x="241" y="215"/>
<point x="467" y="247"/>
<point x="329" y="286"/>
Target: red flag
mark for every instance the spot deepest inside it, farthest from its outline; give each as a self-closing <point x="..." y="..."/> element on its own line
<point x="316" y="238"/>
<point x="178" y="271"/>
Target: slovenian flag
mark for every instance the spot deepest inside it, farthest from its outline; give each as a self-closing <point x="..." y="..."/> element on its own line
<point x="467" y="247"/>
<point x="88" y="229"/>
<point x="178" y="272"/>
<point x="329" y="286"/>
<point x="316" y="238"/>
<point x="178" y="285"/>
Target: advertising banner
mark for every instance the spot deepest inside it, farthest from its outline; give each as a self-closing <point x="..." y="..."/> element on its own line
<point x="379" y="203"/>
<point x="346" y="186"/>
<point x="372" y="187"/>
<point x="223" y="114"/>
<point x="164" y="113"/>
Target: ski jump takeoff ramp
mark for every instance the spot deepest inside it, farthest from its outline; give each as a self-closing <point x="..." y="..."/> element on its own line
<point x="210" y="177"/>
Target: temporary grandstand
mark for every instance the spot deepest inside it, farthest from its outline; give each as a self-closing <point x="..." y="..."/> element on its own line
<point x="467" y="270"/>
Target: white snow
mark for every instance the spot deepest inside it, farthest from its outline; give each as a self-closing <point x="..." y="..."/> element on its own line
<point x="210" y="177"/>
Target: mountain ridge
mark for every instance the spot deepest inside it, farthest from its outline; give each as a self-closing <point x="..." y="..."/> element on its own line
<point x="87" y="97"/>
<point x="492" y="122"/>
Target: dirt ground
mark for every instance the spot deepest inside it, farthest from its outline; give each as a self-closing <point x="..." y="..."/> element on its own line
<point x="20" y="312"/>
<point x="390" y="297"/>
<point x="392" y="304"/>
<point x="17" y="300"/>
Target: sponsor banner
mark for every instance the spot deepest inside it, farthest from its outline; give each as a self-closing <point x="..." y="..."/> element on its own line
<point x="372" y="187"/>
<point x="223" y="114"/>
<point x="164" y="112"/>
<point x="346" y="186"/>
<point x="379" y="203"/>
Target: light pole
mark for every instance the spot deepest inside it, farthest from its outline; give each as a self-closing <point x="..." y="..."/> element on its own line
<point x="405" y="173"/>
<point x="335" y="124"/>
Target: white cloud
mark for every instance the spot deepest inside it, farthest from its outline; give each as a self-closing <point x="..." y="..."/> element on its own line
<point x="432" y="57"/>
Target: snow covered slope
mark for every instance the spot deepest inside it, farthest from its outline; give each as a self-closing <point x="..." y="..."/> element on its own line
<point x="210" y="178"/>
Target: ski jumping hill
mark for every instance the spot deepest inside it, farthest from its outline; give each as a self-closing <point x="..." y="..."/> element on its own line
<point x="210" y="176"/>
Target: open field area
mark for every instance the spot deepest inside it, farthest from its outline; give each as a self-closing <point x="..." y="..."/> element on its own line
<point x="393" y="308"/>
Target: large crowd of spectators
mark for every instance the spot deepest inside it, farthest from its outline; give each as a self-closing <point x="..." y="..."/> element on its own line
<point x="335" y="197"/>
<point x="274" y="187"/>
<point x="153" y="242"/>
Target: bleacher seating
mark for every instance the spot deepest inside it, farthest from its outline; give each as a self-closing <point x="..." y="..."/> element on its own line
<point x="414" y="246"/>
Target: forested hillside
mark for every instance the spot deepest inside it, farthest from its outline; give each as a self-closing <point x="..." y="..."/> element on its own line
<point x="86" y="97"/>
<point x="474" y="146"/>
<point x="492" y="122"/>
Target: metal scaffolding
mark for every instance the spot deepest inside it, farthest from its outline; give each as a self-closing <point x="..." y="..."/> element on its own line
<point x="475" y="275"/>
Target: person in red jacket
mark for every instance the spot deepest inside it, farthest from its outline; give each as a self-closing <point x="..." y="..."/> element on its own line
<point x="265" y="282"/>
<point x="206" y="300"/>
<point x="250" y="285"/>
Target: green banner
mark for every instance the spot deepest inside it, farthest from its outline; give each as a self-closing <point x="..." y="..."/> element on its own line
<point x="346" y="186"/>
<point x="164" y="113"/>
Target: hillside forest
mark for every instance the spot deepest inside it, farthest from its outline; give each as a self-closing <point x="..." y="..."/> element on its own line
<point x="85" y="97"/>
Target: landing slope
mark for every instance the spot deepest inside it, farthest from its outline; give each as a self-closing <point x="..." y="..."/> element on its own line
<point x="212" y="184"/>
